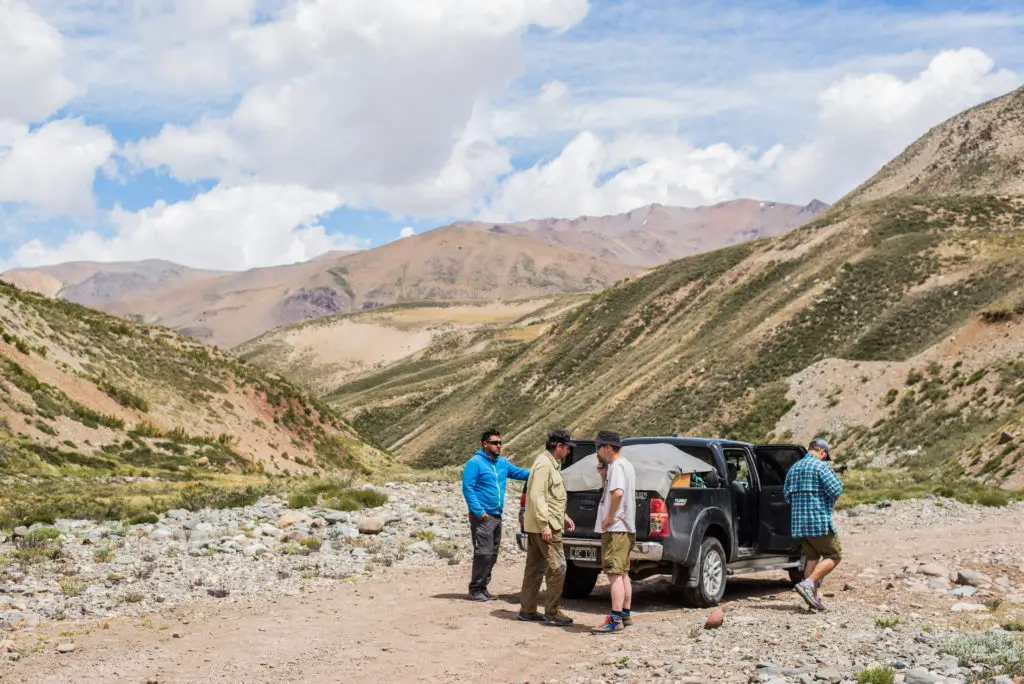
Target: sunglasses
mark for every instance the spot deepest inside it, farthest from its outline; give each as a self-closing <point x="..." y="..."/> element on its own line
<point x="494" y="443"/>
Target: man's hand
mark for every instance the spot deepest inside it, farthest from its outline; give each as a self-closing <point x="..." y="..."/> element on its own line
<point x="484" y="516"/>
<point x="608" y="523"/>
<point x="546" y="534"/>
<point x="569" y="524"/>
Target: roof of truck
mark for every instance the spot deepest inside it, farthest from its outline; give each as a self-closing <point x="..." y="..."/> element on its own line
<point x="690" y="441"/>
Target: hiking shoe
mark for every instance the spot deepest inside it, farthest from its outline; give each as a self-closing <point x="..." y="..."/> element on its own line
<point x="610" y="625"/>
<point x="477" y="596"/>
<point x="818" y="605"/>
<point x="530" y="617"/>
<point x="489" y="595"/>
<point x="627" y="620"/>
<point x="806" y="591"/>
<point x="559" y="619"/>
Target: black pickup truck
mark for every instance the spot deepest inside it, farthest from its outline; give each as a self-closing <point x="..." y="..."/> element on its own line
<point x="732" y="521"/>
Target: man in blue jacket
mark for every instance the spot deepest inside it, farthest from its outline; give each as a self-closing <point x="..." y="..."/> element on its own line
<point x="483" y="486"/>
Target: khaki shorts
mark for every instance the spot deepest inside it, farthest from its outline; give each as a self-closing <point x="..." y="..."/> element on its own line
<point x="828" y="546"/>
<point x="615" y="548"/>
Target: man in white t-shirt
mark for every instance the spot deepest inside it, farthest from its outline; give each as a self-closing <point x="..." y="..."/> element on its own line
<point x="616" y="521"/>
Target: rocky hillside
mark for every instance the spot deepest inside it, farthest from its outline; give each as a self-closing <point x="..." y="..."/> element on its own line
<point x="444" y="264"/>
<point x="977" y="152"/>
<point x="895" y="326"/>
<point x="92" y="283"/>
<point x="652" y="235"/>
<point x="82" y="392"/>
<point x="321" y="354"/>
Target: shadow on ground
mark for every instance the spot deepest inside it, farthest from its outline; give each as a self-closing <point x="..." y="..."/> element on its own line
<point x="649" y="596"/>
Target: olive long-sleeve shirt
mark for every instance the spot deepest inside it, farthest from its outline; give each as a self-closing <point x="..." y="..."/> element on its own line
<point x="545" y="496"/>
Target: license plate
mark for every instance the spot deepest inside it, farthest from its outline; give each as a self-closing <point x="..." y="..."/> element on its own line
<point x="582" y="553"/>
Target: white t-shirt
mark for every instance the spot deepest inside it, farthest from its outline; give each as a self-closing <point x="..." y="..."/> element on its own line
<point x="620" y="476"/>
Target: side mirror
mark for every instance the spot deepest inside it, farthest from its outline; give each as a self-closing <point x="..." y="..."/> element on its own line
<point x="713" y="480"/>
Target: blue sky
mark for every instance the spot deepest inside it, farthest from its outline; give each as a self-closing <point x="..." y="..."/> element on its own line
<point x="254" y="132"/>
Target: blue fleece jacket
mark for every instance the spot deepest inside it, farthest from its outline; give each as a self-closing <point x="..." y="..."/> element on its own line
<point x="483" y="482"/>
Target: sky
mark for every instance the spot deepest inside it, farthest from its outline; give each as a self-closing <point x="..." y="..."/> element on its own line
<point x="244" y="133"/>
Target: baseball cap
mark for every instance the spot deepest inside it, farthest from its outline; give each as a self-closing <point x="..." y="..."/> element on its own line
<point x="559" y="437"/>
<point x="609" y="437"/>
<point x="819" y="443"/>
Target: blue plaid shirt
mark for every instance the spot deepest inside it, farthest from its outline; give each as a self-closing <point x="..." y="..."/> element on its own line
<point x="812" y="490"/>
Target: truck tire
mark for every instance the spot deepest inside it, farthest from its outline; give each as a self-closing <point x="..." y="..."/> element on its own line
<point x="710" y="573"/>
<point x="579" y="582"/>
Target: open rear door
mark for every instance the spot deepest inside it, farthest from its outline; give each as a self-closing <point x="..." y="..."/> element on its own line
<point x="773" y="462"/>
<point x="578" y="450"/>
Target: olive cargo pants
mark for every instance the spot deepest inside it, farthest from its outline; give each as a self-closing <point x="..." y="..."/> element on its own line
<point x="545" y="561"/>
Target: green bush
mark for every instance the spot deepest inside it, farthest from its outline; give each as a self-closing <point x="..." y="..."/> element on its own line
<point x="997" y="653"/>
<point x="312" y="543"/>
<point x="144" y="519"/>
<point x="302" y="500"/>
<point x="197" y="497"/>
<point x="357" y="499"/>
<point x="44" y="533"/>
<point x="877" y="675"/>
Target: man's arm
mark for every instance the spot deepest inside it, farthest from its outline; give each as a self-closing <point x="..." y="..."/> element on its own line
<point x="787" y="487"/>
<point x="515" y="473"/>
<point x="469" y="475"/>
<point x="831" y="484"/>
<point x="536" y="498"/>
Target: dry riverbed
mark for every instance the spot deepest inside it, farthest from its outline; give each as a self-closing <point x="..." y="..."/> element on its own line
<point x="269" y="594"/>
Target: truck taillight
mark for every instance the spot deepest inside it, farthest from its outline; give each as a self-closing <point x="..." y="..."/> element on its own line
<point x="659" y="518"/>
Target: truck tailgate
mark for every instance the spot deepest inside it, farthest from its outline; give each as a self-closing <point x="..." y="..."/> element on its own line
<point x="582" y="508"/>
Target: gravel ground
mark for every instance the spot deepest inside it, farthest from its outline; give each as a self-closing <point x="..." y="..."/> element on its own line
<point x="917" y="574"/>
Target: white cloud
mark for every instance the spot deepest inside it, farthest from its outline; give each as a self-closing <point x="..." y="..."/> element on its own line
<point x="52" y="167"/>
<point x="427" y="109"/>
<point x="225" y="228"/>
<point x="408" y="231"/>
<point x="370" y="97"/>
<point x="598" y="176"/>
<point x="863" y="121"/>
<point x="32" y="83"/>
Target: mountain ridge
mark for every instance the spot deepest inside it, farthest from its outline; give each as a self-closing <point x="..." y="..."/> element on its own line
<point x="890" y="323"/>
<point x="230" y="308"/>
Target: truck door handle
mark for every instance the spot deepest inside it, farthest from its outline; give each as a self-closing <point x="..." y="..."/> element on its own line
<point x="587" y="505"/>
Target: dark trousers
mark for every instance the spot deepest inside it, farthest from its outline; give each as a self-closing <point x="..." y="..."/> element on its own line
<point x="486" y="533"/>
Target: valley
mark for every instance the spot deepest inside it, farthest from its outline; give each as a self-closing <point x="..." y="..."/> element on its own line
<point x="237" y="446"/>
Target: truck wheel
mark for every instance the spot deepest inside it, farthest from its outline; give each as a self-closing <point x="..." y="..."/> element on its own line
<point x="710" y="572"/>
<point x="579" y="582"/>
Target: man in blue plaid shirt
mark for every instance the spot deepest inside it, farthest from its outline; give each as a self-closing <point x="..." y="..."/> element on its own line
<point x="812" y="489"/>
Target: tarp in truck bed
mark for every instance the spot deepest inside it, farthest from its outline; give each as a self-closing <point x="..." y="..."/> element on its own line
<point x="656" y="465"/>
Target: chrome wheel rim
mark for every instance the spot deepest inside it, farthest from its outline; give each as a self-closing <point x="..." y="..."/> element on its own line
<point x="711" y="574"/>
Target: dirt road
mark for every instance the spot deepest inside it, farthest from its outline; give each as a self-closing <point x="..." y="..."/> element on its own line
<point x="416" y="626"/>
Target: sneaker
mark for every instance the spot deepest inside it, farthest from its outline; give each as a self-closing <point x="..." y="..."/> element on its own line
<point x="818" y="605"/>
<point x="610" y="625"/>
<point x="559" y="619"/>
<point x="806" y="591"/>
<point x="489" y="595"/>
<point x="530" y="617"/>
<point x="627" y="620"/>
<point x="477" y="596"/>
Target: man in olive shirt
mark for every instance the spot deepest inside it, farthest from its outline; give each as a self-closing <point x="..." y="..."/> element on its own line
<point x="543" y="523"/>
